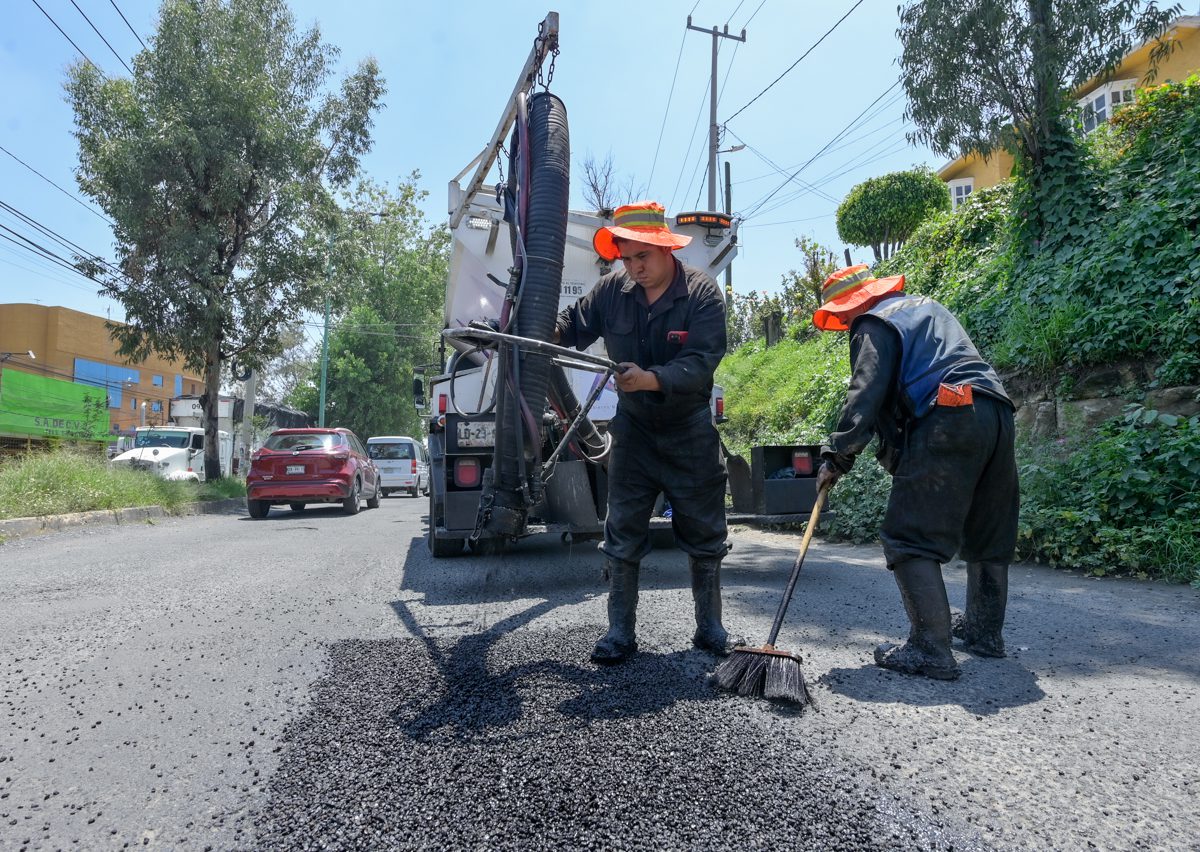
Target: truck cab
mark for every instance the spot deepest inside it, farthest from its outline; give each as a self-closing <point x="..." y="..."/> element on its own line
<point x="174" y="452"/>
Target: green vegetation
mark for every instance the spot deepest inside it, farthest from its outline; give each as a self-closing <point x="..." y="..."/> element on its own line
<point x="1115" y="277"/>
<point x="882" y="212"/>
<point x="68" y="480"/>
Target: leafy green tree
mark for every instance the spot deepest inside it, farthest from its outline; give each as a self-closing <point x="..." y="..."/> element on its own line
<point x="981" y="76"/>
<point x="215" y="161"/>
<point x="387" y="291"/>
<point x="882" y="212"/>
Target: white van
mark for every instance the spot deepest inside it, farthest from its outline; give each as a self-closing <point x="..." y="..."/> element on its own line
<point x="403" y="464"/>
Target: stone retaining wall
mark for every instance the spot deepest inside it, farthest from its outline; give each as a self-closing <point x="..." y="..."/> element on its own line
<point x="1084" y="400"/>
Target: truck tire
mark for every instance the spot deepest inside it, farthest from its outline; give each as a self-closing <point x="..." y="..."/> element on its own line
<point x="351" y="504"/>
<point x="373" y="502"/>
<point x="443" y="546"/>
<point x="257" y="508"/>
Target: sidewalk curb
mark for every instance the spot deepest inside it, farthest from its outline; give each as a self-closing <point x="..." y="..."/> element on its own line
<point x="20" y="527"/>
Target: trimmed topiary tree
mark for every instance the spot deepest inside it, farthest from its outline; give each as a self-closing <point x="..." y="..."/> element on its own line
<point x="881" y="212"/>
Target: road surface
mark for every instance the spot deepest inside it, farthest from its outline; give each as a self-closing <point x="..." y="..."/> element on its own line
<point x="316" y="680"/>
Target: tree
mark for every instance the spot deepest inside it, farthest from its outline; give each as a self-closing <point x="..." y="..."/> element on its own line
<point x="980" y="76"/>
<point x="881" y="212"/>
<point x="388" y="289"/>
<point x="603" y="190"/>
<point x="793" y="304"/>
<point x="215" y="161"/>
<point x="287" y="370"/>
<point x="803" y="289"/>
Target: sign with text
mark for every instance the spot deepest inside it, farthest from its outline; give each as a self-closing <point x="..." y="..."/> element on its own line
<point x="43" y="407"/>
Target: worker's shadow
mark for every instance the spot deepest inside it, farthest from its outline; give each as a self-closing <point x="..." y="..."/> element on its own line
<point x="985" y="687"/>
<point x="478" y="696"/>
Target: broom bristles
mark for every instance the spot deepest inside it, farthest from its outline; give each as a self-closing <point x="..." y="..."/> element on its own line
<point x="753" y="672"/>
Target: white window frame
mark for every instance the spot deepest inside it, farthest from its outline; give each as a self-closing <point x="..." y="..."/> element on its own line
<point x="1099" y="105"/>
<point x="960" y="190"/>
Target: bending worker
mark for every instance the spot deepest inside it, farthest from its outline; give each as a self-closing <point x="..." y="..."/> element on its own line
<point x="945" y="428"/>
<point x="664" y="323"/>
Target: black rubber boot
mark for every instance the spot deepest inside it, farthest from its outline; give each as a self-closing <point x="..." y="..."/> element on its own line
<point x="982" y="627"/>
<point x="619" y="643"/>
<point x="706" y="592"/>
<point x="927" y="651"/>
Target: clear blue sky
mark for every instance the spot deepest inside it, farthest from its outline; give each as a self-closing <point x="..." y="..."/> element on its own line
<point x="450" y="64"/>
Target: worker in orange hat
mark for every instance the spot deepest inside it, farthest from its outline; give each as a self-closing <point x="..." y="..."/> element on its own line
<point x="946" y="434"/>
<point x="664" y="323"/>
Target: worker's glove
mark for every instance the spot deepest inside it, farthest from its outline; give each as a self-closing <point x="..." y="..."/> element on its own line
<point x="827" y="476"/>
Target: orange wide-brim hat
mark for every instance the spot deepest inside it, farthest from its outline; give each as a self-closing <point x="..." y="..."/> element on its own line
<point x="643" y="222"/>
<point x="848" y="292"/>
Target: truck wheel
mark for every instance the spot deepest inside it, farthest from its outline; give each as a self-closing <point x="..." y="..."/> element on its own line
<point x="297" y="507"/>
<point x="415" y="491"/>
<point x="441" y="546"/>
<point x="257" y="508"/>
<point x="373" y="502"/>
<point x="351" y="504"/>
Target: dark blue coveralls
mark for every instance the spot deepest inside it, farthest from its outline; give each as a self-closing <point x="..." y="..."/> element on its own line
<point x="663" y="440"/>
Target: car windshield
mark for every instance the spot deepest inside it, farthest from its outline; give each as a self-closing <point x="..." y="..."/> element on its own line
<point x="390" y="451"/>
<point x="304" y="441"/>
<point x="154" y="438"/>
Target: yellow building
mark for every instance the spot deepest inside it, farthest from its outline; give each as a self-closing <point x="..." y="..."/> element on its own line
<point x="1096" y="102"/>
<point x="75" y="346"/>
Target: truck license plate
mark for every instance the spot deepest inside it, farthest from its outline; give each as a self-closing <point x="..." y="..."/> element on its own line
<point x="295" y="468"/>
<point x="477" y="434"/>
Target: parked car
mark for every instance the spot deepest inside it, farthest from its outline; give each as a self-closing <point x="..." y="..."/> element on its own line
<point x="301" y="466"/>
<point x="403" y="463"/>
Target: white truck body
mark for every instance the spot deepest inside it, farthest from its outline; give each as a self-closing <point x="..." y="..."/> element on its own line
<point x="174" y="452"/>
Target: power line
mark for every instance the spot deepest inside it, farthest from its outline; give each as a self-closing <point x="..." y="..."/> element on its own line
<point x="797" y="62"/>
<point x="69" y="245"/>
<point x="69" y="195"/>
<point x="752" y="17"/>
<point x="667" y="112"/>
<point x="120" y="58"/>
<point x="67" y="37"/>
<point x="135" y="32"/>
<point x="828" y="144"/>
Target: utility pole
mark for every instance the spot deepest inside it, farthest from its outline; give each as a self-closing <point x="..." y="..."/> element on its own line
<point x="713" y="133"/>
<point x="249" y="392"/>
<point x="728" y="266"/>
<point x="325" y="333"/>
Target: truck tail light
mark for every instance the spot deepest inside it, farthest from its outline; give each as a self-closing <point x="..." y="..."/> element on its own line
<point x="720" y="406"/>
<point x="443" y="403"/>
<point x="802" y="463"/>
<point x="413" y="469"/>
<point x="467" y="472"/>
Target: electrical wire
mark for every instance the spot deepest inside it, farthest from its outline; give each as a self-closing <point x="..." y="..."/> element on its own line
<point x="797" y="62"/>
<point x="69" y="195"/>
<point x="120" y="58"/>
<point x="837" y="137"/>
<point x="135" y="32"/>
<point x="667" y="112"/>
<point x="67" y="37"/>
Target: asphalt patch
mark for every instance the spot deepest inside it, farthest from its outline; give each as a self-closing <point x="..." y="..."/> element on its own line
<point x="512" y="740"/>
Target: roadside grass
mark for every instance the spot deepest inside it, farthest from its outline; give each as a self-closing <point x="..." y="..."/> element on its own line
<point x="67" y="480"/>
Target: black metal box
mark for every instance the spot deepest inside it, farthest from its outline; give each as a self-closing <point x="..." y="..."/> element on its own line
<point x="784" y="478"/>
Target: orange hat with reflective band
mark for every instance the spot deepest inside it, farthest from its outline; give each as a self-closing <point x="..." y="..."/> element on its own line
<point x="848" y="292"/>
<point x="643" y="222"/>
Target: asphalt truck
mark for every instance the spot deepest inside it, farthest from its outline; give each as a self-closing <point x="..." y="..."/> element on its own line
<point x="517" y="426"/>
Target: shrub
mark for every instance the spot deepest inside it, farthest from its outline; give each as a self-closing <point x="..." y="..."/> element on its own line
<point x="1123" y="502"/>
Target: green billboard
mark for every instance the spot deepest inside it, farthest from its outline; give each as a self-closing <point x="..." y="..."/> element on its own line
<point x="39" y="406"/>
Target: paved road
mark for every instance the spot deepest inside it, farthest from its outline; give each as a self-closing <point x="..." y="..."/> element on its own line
<point x="317" y="681"/>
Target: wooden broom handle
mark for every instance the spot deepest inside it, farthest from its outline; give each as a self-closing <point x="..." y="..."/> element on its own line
<point x="791" y="586"/>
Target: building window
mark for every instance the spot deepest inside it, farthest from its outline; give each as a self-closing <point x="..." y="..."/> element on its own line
<point x="959" y="190"/>
<point x="156" y="406"/>
<point x="1099" y="106"/>
<point x="179" y="386"/>
<point x="156" y="381"/>
<point x="132" y="404"/>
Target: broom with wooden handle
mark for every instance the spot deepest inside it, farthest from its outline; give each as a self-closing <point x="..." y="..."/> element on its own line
<point x="767" y="671"/>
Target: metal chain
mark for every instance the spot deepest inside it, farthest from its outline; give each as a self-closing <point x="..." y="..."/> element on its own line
<point x="544" y="81"/>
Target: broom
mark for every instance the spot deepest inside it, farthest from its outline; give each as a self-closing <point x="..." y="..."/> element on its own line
<point x="767" y="671"/>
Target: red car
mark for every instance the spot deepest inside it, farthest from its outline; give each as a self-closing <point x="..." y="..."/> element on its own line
<point x="302" y="466"/>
